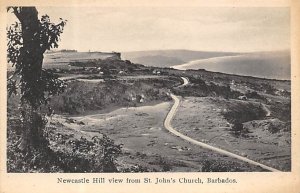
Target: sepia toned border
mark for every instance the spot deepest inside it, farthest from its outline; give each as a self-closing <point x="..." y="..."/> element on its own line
<point x="246" y="181"/>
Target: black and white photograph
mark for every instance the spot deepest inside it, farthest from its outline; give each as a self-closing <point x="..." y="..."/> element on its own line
<point x="148" y="89"/>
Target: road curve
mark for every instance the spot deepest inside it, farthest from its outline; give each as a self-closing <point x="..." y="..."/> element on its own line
<point x="168" y="126"/>
<point x="268" y="112"/>
<point x="185" y="81"/>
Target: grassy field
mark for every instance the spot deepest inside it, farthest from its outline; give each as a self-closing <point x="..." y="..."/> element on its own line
<point x="147" y="145"/>
<point x="214" y="121"/>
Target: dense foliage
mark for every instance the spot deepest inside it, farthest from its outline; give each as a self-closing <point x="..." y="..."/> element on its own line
<point x="27" y="41"/>
<point x="68" y="153"/>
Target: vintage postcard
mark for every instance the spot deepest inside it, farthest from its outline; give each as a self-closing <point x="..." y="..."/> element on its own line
<point x="150" y="96"/>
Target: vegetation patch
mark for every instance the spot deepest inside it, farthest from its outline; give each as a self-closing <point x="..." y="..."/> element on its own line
<point x="66" y="150"/>
<point x="237" y="112"/>
<point x="200" y="88"/>
<point x="81" y="96"/>
<point x="227" y="166"/>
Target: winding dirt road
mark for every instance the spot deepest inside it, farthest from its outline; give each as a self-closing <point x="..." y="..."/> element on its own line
<point x="268" y="112"/>
<point x="185" y="81"/>
<point x="168" y="126"/>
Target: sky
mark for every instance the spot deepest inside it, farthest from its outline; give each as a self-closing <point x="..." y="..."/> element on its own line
<point x="235" y="29"/>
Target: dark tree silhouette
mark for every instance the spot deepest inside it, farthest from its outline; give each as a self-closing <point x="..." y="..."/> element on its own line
<point x="28" y="40"/>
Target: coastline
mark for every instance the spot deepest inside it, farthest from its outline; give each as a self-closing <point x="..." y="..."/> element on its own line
<point x="224" y="65"/>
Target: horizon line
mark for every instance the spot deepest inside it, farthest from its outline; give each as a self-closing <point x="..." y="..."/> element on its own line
<point x="175" y="49"/>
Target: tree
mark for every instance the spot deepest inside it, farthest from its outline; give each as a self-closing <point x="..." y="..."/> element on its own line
<point x="28" y="40"/>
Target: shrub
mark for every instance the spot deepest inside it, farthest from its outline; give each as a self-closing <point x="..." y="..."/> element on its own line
<point x="64" y="153"/>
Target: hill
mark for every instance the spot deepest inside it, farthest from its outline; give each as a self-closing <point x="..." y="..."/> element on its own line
<point x="111" y="118"/>
<point x="55" y="59"/>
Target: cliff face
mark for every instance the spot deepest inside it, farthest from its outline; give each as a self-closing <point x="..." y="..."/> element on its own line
<point x="115" y="55"/>
<point x="57" y="59"/>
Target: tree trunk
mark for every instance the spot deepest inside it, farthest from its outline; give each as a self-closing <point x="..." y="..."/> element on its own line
<point x="31" y="55"/>
<point x="32" y="59"/>
<point x="32" y="129"/>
